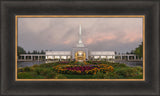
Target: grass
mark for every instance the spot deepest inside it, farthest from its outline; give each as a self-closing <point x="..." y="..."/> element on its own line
<point x="46" y="71"/>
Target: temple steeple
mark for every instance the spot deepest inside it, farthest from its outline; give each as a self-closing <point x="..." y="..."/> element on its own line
<point x="80" y="43"/>
<point x="80" y="33"/>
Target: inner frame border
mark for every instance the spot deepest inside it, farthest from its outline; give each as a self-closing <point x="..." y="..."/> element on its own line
<point x="79" y="16"/>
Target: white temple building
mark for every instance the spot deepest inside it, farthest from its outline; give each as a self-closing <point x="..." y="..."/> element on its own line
<point x="79" y="53"/>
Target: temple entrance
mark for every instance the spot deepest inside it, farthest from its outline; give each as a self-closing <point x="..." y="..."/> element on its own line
<point x="80" y="56"/>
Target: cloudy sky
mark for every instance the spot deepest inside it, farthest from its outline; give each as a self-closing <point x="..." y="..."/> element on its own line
<point x="101" y="34"/>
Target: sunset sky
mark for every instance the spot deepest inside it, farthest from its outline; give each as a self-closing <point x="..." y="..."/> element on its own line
<point x="98" y="34"/>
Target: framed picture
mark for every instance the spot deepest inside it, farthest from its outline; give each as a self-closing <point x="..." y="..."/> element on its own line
<point x="70" y="48"/>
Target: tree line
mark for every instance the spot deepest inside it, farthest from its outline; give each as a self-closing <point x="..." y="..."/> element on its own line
<point x="138" y="51"/>
<point x="20" y="50"/>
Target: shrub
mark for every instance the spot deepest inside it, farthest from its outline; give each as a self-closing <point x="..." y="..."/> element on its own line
<point x="51" y="75"/>
<point x="47" y="65"/>
<point x="89" y="62"/>
<point x="38" y="77"/>
<point x="72" y="61"/>
<point x="60" y="76"/>
<point x="117" y="65"/>
<point x="80" y="63"/>
<point x="35" y="65"/>
<point x="20" y="70"/>
<point x="113" y="64"/>
<point x="64" y="62"/>
<point x="96" y="62"/>
<point x="45" y="71"/>
<point x="124" y="72"/>
<point x="122" y="65"/>
<point x="129" y="71"/>
<point x="139" y="68"/>
<point x="99" y="75"/>
<point x="110" y="75"/>
<point x="24" y="75"/>
<point x="27" y="69"/>
<point x="38" y="70"/>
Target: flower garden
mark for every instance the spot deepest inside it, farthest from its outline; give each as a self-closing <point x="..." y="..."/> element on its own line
<point x="83" y="70"/>
<point x="77" y="70"/>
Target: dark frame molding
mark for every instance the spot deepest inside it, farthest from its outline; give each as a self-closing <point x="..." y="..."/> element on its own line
<point x="10" y="8"/>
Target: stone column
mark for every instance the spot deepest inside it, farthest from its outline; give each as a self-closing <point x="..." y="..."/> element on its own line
<point x="128" y="57"/>
<point x="54" y="58"/>
<point x="24" y="57"/>
<point x="31" y="58"/>
<point x="134" y="57"/>
<point x="38" y="58"/>
<point x="66" y="58"/>
<point x="46" y="58"/>
<point x="43" y="57"/>
<point x="60" y="58"/>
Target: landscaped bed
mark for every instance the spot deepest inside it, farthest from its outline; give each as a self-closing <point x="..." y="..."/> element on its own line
<point x="77" y="70"/>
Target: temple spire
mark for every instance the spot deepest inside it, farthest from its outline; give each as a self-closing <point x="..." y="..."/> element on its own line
<point x="80" y="43"/>
<point x="80" y="34"/>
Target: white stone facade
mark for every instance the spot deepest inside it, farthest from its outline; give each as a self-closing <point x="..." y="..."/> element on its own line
<point x="102" y="54"/>
<point x="71" y="54"/>
<point x="58" y="54"/>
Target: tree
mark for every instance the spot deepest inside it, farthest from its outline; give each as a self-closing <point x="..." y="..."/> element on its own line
<point x="139" y="50"/>
<point x="20" y="50"/>
<point x="132" y="52"/>
<point x="127" y="52"/>
<point x="29" y="52"/>
<point x="38" y="52"/>
<point x="34" y="52"/>
<point x="42" y="52"/>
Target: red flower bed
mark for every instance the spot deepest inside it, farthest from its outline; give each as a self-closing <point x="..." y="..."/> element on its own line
<point x="80" y="68"/>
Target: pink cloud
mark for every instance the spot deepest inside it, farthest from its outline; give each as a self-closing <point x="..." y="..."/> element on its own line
<point x="131" y="37"/>
<point x="100" y="37"/>
<point x="67" y="41"/>
<point x="127" y="37"/>
<point x="89" y="41"/>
